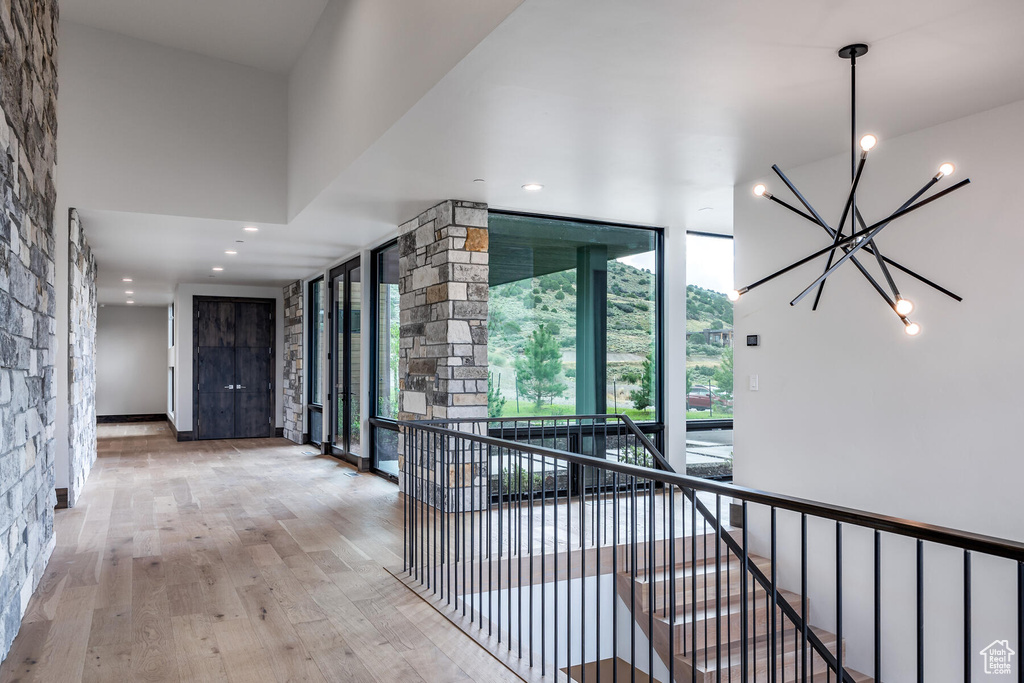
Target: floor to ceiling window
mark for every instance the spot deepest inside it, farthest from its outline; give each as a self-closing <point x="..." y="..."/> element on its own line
<point x="384" y="388"/>
<point x="317" y="331"/>
<point x="346" y="297"/>
<point x="573" y="318"/>
<point x="709" y="354"/>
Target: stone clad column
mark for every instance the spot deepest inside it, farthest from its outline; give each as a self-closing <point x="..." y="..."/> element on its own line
<point x="443" y="288"/>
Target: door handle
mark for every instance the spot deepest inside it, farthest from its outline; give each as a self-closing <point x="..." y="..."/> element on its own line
<point x="230" y="386"/>
<point x="239" y="387"/>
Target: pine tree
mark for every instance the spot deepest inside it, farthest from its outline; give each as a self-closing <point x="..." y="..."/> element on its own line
<point x="642" y="397"/>
<point x="495" y="401"/>
<point x="537" y="370"/>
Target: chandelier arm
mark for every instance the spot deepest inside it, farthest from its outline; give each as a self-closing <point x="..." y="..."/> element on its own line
<point x="783" y="271"/>
<point x="801" y="213"/>
<point x="873" y="230"/>
<point x="878" y="288"/>
<point x="792" y="188"/>
<point x="842" y="221"/>
<point x="923" y="279"/>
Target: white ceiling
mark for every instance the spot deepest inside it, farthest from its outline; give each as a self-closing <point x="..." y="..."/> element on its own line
<point x="640" y="112"/>
<point x="266" y="34"/>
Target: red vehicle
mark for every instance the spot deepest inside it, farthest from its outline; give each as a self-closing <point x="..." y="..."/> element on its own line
<point x="700" y="397"/>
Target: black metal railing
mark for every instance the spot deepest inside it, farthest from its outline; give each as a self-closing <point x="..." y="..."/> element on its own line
<point x="570" y="542"/>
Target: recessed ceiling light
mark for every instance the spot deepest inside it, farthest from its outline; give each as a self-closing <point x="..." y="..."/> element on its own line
<point x="126" y="279"/>
<point x="533" y="187"/>
<point x="129" y="292"/>
<point x="478" y="180"/>
<point x="250" y="228"/>
<point x="239" y="241"/>
<point x="217" y="268"/>
<point x="706" y="208"/>
<point x="230" y="252"/>
<point x="130" y="301"/>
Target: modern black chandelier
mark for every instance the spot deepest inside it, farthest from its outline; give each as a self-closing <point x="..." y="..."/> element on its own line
<point x="864" y="238"/>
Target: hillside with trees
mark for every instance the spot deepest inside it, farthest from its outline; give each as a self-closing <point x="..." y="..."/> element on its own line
<point x="517" y="311"/>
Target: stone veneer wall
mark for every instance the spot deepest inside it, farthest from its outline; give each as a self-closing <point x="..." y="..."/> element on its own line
<point x="82" y="310"/>
<point x="28" y="129"/>
<point x="443" y="289"/>
<point x="293" y="380"/>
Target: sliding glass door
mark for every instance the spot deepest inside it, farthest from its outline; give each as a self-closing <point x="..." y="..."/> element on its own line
<point x="346" y="334"/>
<point x="317" y="333"/>
<point x="384" y="387"/>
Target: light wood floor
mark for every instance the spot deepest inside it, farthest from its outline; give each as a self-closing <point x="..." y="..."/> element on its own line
<point x="232" y="561"/>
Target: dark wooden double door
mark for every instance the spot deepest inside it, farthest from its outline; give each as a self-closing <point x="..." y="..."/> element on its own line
<point x="234" y="368"/>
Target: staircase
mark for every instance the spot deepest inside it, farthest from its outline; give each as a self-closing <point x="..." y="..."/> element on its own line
<point x="709" y="609"/>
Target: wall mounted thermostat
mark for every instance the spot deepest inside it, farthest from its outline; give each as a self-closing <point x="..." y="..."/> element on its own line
<point x="753" y="340"/>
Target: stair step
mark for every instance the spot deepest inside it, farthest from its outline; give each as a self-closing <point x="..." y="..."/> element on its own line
<point x="788" y="652"/>
<point x="684" y="551"/>
<point x="706" y="582"/>
<point x="731" y="618"/>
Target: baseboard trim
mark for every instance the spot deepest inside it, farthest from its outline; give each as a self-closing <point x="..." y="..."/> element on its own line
<point x="62" y="499"/>
<point x="145" y="417"/>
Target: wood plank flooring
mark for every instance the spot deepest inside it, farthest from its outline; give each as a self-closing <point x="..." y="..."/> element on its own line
<point x="239" y="561"/>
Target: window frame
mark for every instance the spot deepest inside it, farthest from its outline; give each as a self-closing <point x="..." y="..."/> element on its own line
<point x="374" y="421"/>
<point x="711" y="424"/>
<point x="655" y="427"/>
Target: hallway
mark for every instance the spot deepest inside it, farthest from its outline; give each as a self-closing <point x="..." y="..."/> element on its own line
<point x="245" y="560"/>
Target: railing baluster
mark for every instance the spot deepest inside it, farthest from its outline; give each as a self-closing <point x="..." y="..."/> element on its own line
<point x="615" y="575"/>
<point x="554" y="552"/>
<point x="803" y="593"/>
<point x="920" y="611"/>
<point x="632" y="570"/>
<point x="501" y="529"/>
<point x="775" y="600"/>
<point x="568" y="577"/>
<point x="651" y="562"/>
<point x="839" y="603"/>
<point x="543" y="565"/>
<point x="472" y="525"/>
<point x="744" y="657"/>
<point x="878" y="606"/>
<point x="693" y="583"/>
<point x="583" y="582"/>
<point x="672" y="583"/>
<point x="490" y="539"/>
<point x="718" y="588"/>
<point x="967" y="617"/>
<point x="531" y="537"/>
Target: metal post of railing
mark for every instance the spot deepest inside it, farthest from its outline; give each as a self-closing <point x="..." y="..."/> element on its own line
<point x="967" y="617"/>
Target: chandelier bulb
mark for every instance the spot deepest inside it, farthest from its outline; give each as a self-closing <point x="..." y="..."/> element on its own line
<point x="734" y="295"/>
<point x="904" y="306"/>
<point x="760" y="190"/>
<point x="868" y="142"/>
<point x="912" y="329"/>
<point x="946" y="169"/>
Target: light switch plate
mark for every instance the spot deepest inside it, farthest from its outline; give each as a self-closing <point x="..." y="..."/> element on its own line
<point x="753" y="382"/>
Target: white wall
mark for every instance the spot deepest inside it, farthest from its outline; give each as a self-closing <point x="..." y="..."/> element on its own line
<point x="366" y="64"/>
<point x="854" y="412"/>
<point x="183" y="318"/>
<point x="131" y="360"/>
<point x="150" y="129"/>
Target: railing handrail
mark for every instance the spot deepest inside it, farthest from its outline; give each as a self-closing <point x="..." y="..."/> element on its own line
<point x="964" y="540"/>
